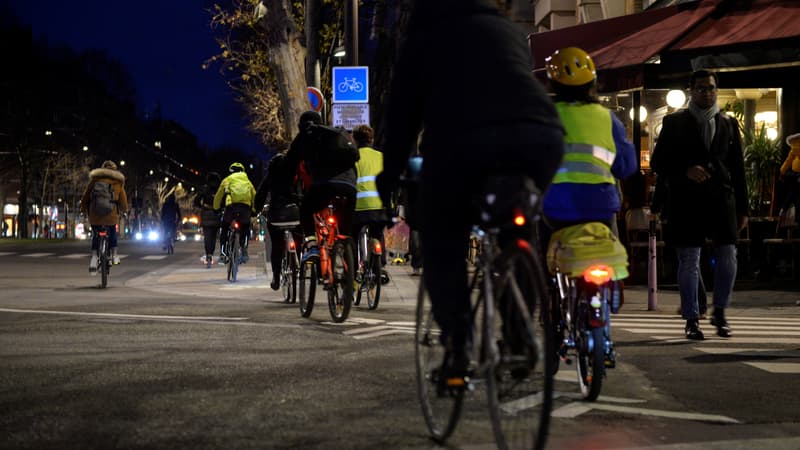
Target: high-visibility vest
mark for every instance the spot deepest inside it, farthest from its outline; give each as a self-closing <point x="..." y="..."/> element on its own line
<point x="589" y="144"/>
<point x="367" y="168"/>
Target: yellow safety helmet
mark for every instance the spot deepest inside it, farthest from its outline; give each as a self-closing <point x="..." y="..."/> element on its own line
<point x="570" y="66"/>
<point x="236" y="167"/>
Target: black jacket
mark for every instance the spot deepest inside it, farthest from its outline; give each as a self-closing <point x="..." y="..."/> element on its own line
<point x="697" y="211"/>
<point x="463" y="67"/>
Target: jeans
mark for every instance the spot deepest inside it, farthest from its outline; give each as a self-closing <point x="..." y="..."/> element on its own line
<point x="689" y="274"/>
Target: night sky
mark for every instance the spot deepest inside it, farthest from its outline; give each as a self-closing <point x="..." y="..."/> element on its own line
<point x="163" y="44"/>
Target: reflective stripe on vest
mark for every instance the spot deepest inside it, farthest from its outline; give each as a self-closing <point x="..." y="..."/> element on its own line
<point x="589" y="144"/>
<point x="368" y="167"/>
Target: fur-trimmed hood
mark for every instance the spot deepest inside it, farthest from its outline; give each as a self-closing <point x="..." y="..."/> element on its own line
<point x="107" y="173"/>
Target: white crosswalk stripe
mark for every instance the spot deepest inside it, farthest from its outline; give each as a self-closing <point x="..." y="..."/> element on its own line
<point x="36" y="255"/>
<point x="747" y="331"/>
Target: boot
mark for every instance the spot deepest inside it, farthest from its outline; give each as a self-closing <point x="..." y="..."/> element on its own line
<point x="718" y="320"/>
<point x="114" y="256"/>
<point x="693" y="330"/>
<point x="93" y="265"/>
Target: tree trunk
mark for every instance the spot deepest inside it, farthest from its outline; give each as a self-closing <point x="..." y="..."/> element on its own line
<point x="287" y="62"/>
<point x="22" y="213"/>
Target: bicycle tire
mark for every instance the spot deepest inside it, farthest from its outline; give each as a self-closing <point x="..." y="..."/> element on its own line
<point x="102" y="262"/>
<point x="233" y="257"/>
<point x="519" y="382"/>
<point x="340" y="294"/>
<point x="441" y="413"/>
<point x="288" y="279"/>
<point x="372" y="277"/>
<point x="308" y="287"/>
<point x="590" y="367"/>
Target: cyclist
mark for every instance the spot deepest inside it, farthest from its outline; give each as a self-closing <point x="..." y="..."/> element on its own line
<point x="238" y="194"/>
<point x="209" y="217"/>
<point x="330" y="175"/>
<point x="278" y="191"/>
<point x="106" y="174"/>
<point x="506" y="124"/>
<point x="369" y="211"/>
<point x="597" y="150"/>
<point x="170" y="218"/>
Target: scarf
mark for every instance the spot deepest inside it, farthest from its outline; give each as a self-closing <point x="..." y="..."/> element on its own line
<point x="705" y="118"/>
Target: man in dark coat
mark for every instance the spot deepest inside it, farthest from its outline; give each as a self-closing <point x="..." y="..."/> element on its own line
<point x="699" y="151"/>
<point x="490" y="116"/>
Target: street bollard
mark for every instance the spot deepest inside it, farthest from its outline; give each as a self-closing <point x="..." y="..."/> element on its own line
<point x="652" y="273"/>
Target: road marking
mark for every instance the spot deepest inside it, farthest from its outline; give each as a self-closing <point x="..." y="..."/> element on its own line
<point x="381" y="333"/>
<point x="776" y="367"/>
<point x="673" y="317"/>
<point x="734" y="339"/>
<point x="757" y="331"/>
<point x="76" y="255"/>
<point x="153" y="257"/>
<point x="7" y="253"/>
<point x="659" y="413"/>
<point x="126" y="316"/>
<point x="680" y="322"/>
<point x="36" y="255"/>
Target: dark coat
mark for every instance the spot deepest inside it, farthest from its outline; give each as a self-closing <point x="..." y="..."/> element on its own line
<point x="209" y="217"/>
<point x="117" y="181"/>
<point x="696" y="211"/>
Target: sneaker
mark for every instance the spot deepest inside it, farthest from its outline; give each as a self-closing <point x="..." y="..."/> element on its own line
<point x="115" y="260"/>
<point x="718" y="320"/>
<point x="93" y="265"/>
<point x="693" y="330"/>
<point x="311" y="252"/>
<point x="384" y="277"/>
<point x="276" y="283"/>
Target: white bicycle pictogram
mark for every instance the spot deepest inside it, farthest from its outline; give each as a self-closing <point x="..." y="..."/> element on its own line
<point x="350" y="84"/>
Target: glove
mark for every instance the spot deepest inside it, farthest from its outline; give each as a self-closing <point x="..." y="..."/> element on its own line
<point x="387" y="185"/>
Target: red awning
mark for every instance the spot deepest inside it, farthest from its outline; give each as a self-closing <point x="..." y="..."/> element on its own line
<point x="593" y="35"/>
<point x="744" y="22"/>
<point x="621" y="46"/>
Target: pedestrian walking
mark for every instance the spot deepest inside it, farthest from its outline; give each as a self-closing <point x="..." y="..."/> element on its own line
<point x="699" y="151"/>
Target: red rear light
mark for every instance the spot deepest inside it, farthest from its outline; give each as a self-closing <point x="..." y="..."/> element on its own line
<point x="519" y="218"/>
<point x="235" y="225"/>
<point x="331" y="220"/>
<point x="292" y="245"/>
<point x="378" y="248"/>
<point x="598" y="275"/>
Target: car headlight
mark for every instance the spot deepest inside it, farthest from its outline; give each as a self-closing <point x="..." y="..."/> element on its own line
<point x="198" y="237"/>
<point x="138" y="236"/>
<point x="153" y="236"/>
<point x="181" y="237"/>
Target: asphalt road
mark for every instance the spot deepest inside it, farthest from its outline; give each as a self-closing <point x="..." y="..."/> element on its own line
<point x="172" y="355"/>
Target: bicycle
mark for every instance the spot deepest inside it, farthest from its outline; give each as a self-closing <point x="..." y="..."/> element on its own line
<point x="233" y="251"/>
<point x="514" y="352"/>
<point x="103" y="255"/>
<point x="334" y="267"/>
<point x="368" y="272"/>
<point x="290" y="263"/>
<point x="586" y="289"/>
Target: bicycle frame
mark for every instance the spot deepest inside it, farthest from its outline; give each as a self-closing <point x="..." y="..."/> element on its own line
<point x="103" y="256"/>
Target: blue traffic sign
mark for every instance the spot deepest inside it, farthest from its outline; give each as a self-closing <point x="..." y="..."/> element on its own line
<point x="351" y="84"/>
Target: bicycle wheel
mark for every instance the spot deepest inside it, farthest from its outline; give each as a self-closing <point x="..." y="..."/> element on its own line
<point x="103" y="262"/>
<point x="590" y="365"/>
<point x="441" y="412"/>
<point x="340" y="295"/>
<point x="233" y="256"/>
<point x="372" y="283"/>
<point x="308" y="287"/>
<point x="520" y="377"/>
<point x="288" y="280"/>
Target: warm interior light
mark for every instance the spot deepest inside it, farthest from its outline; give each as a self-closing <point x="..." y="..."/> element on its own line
<point x="642" y="114"/>
<point x="766" y="116"/>
<point x="676" y="98"/>
<point x="598" y="274"/>
<point x="772" y="134"/>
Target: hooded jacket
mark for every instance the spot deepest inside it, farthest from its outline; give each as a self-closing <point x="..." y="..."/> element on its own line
<point x="117" y="181"/>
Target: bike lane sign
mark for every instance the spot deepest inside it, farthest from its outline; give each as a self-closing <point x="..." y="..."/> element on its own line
<point x="351" y="84"/>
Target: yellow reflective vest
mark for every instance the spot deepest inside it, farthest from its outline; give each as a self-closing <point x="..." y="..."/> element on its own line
<point x="589" y="144"/>
<point x="367" y="168"/>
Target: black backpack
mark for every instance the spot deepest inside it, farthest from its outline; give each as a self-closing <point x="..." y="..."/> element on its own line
<point x="331" y="147"/>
